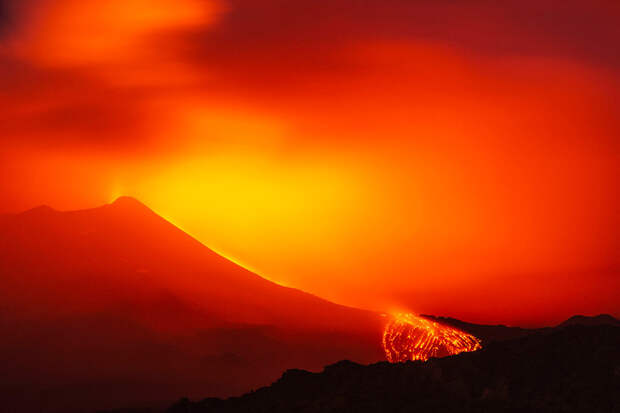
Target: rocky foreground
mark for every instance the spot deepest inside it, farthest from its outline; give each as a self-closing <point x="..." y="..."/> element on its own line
<point x="572" y="368"/>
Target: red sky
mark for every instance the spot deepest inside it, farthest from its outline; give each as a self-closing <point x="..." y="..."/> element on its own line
<point x="456" y="158"/>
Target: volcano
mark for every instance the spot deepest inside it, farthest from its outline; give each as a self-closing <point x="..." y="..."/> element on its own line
<point x="115" y="306"/>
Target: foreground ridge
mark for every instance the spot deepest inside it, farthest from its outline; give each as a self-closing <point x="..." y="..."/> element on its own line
<point x="572" y="369"/>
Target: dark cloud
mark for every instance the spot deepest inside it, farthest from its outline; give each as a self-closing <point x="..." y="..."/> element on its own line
<point x="570" y="29"/>
<point x="13" y="13"/>
<point x="5" y="16"/>
<point x="66" y="106"/>
<point x="266" y="47"/>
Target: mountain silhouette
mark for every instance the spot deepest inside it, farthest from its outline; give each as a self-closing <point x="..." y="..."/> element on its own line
<point x="601" y="319"/>
<point x="492" y="333"/>
<point x="487" y="333"/>
<point x="125" y="247"/>
<point x="116" y="306"/>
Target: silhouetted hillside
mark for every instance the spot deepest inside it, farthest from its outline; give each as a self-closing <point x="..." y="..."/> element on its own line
<point x="572" y="369"/>
<point x="591" y="321"/>
<point x="490" y="333"/>
<point x="487" y="333"/>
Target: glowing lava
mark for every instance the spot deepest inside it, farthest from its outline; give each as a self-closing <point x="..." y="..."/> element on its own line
<point x="409" y="337"/>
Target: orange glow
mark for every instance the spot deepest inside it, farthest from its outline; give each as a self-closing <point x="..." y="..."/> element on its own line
<point x="363" y="154"/>
<point x="408" y="337"/>
<point x="72" y="32"/>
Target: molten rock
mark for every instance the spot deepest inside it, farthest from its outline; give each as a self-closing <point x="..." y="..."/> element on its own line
<point x="409" y="337"/>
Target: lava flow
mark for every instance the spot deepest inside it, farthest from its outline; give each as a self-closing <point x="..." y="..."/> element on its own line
<point x="409" y="337"/>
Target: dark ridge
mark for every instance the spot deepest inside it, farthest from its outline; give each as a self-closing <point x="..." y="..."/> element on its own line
<point x="591" y="320"/>
<point x="40" y="210"/>
<point x="571" y="369"/>
<point x="125" y="203"/>
<point x="486" y="333"/>
<point x="6" y="18"/>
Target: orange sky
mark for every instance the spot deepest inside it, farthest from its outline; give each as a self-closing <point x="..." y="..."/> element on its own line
<point x="439" y="157"/>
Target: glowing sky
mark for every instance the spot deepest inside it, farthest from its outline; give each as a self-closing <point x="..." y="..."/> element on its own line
<point x="456" y="158"/>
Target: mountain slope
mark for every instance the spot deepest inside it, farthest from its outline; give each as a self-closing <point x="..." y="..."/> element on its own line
<point x="125" y="246"/>
<point x="115" y="306"/>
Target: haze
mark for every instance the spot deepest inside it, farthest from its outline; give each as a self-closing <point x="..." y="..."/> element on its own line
<point x="396" y="155"/>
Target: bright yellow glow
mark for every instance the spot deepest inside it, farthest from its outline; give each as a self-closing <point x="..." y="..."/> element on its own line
<point x="247" y="208"/>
